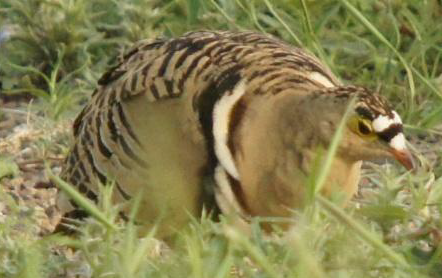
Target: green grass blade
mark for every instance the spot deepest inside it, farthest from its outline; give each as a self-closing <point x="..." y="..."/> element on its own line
<point x="253" y="250"/>
<point x="326" y="167"/>
<point x="283" y="23"/>
<point x="380" y="37"/>
<point x="364" y="233"/>
<point x="79" y="199"/>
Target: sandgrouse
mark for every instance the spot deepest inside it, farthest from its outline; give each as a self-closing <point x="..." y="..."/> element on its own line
<point x="243" y="108"/>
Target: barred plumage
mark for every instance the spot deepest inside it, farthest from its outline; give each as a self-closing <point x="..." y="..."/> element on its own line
<point x="173" y="109"/>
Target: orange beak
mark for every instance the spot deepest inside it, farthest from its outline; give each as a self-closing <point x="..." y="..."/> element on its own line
<point x="404" y="157"/>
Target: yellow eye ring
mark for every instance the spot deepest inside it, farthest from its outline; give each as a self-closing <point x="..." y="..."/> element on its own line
<point x="362" y="127"/>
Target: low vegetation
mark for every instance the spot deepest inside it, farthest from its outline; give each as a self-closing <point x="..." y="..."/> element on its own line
<point x="53" y="51"/>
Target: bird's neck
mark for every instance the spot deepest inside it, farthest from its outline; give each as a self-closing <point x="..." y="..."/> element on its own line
<point x="276" y="152"/>
<point x="271" y="158"/>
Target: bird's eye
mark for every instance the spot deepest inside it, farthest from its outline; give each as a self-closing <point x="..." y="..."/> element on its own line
<point x="364" y="128"/>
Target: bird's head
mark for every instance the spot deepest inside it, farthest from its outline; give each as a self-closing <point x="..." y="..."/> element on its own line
<point x="373" y="130"/>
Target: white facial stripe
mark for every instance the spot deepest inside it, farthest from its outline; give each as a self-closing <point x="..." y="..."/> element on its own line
<point x="398" y="142"/>
<point x="221" y="119"/>
<point x="383" y="122"/>
<point x="316" y="76"/>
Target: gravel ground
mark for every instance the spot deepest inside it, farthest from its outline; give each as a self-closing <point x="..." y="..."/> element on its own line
<point x="27" y="142"/>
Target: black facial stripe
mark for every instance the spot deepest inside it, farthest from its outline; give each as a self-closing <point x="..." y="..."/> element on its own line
<point x="364" y="112"/>
<point x="390" y="132"/>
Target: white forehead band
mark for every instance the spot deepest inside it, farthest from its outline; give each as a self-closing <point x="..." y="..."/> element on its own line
<point x="383" y="122"/>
